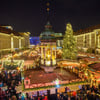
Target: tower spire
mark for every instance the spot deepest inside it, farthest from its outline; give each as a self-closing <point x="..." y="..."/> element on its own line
<point x="48" y="10"/>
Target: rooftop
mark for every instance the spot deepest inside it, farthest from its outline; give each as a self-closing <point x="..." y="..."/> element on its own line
<point x="8" y="31"/>
<point x="87" y="30"/>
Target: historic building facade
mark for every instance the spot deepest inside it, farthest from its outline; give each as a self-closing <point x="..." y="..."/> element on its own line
<point x="89" y="40"/>
<point x="59" y="40"/>
<point x="11" y="40"/>
<point x="26" y="36"/>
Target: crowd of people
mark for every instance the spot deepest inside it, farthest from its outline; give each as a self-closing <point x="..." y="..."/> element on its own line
<point x="85" y="93"/>
<point x="9" y="81"/>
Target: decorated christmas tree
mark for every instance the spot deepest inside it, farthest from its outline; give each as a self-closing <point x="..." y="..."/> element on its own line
<point x="69" y="44"/>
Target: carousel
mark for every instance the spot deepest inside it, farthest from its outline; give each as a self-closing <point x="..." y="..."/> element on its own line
<point x="48" y="55"/>
<point x="48" y="48"/>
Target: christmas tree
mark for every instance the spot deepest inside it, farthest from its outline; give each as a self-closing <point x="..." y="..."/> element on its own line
<point x="69" y="44"/>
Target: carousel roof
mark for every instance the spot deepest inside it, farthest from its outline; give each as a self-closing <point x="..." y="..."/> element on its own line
<point x="48" y="33"/>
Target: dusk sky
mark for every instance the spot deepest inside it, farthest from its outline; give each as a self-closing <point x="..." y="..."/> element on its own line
<point x="31" y="15"/>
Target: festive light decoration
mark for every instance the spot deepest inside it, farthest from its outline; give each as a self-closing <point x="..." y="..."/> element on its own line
<point x="48" y="9"/>
<point x="48" y="4"/>
<point x="18" y="68"/>
<point x="69" y="44"/>
<point x="57" y="82"/>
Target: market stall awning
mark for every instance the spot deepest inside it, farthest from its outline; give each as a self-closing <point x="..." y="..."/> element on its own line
<point x="28" y="62"/>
